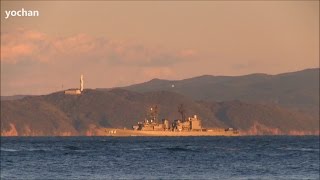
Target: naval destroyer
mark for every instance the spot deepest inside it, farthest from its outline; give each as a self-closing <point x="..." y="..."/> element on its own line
<point x="185" y="126"/>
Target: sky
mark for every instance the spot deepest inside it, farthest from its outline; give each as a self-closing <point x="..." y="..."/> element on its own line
<point x="122" y="43"/>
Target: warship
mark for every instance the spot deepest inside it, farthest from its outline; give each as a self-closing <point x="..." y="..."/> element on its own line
<point x="188" y="126"/>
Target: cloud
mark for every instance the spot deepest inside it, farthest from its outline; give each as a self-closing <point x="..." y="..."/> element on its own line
<point x="187" y="53"/>
<point x="26" y="45"/>
<point x="162" y="72"/>
<point x="37" y="63"/>
<point x="20" y="44"/>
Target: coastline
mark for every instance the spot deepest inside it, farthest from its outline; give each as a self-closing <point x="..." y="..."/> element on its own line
<point x="117" y="132"/>
<point x="123" y="132"/>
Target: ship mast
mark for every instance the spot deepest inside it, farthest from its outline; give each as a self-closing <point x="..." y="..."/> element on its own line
<point x="154" y="113"/>
<point x="182" y="111"/>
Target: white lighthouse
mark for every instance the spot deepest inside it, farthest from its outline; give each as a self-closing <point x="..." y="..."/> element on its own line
<point x="76" y="91"/>
<point x="81" y="83"/>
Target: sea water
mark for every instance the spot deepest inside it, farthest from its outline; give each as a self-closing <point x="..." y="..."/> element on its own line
<point x="252" y="157"/>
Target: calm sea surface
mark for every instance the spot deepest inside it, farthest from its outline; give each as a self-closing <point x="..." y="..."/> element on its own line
<point x="262" y="157"/>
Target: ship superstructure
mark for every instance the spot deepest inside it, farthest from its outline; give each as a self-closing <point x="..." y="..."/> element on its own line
<point x="151" y="123"/>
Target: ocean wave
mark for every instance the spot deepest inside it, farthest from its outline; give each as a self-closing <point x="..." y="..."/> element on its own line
<point x="228" y="148"/>
<point x="300" y="149"/>
<point x="164" y="148"/>
<point x="24" y="149"/>
<point x="8" y="150"/>
<point x="73" y="148"/>
<point x="146" y="148"/>
<point x="38" y="149"/>
<point x="179" y="149"/>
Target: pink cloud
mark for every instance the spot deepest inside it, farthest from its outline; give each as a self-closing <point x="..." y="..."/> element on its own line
<point x="160" y="72"/>
<point x="53" y="62"/>
<point x="22" y="45"/>
<point x="12" y="53"/>
<point x="187" y="53"/>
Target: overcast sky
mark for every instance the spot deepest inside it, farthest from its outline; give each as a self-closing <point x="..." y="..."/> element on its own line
<point x="122" y="43"/>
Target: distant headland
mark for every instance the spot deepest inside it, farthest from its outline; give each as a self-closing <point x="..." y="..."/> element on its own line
<point x="257" y="104"/>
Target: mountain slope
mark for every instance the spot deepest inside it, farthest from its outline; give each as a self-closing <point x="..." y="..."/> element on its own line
<point x="60" y="114"/>
<point x="298" y="90"/>
<point x="33" y="116"/>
